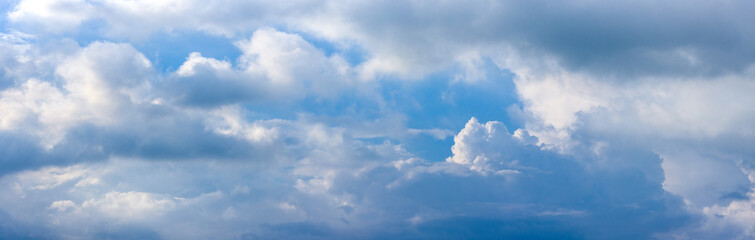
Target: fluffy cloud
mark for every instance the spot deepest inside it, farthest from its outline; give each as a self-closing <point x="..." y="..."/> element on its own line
<point x="57" y="15"/>
<point x="576" y="112"/>
<point x="618" y="104"/>
<point x="478" y="145"/>
<point x="95" y="91"/>
<point x="97" y="101"/>
<point x="274" y="65"/>
<point x="337" y="187"/>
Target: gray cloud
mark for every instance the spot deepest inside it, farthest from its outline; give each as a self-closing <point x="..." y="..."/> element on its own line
<point x="343" y="188"/>
<point x="615" y="39"/>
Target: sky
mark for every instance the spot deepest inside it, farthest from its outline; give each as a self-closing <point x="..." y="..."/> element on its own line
<point x="480" y="119"/>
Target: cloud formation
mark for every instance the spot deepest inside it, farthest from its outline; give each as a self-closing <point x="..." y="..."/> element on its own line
<point x="333" y="120"/>
<point x="341" y="188"/>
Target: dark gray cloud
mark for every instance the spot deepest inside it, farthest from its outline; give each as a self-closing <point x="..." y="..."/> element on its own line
<point x="614" y="39"/>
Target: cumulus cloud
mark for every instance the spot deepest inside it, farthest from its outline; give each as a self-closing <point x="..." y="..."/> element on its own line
<point x="336" y="187"/>
<point x="273" y="65"/>
<point x="311" y="130"/>
<point x="95" y="91"/>
<point x="97" y="101"/>
<point x="576" y="112"/>
<point x="479" y="145"/>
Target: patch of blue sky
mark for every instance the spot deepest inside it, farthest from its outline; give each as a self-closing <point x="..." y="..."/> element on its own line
<point x="437" y="102"/>
<point x="440" y="101"/>
<point x="167" y="50"/>
<point x="89" y="31"/>
<point x="5" y="7"/>
<point x="347" y="103"/>
<point x="429" y="148"/>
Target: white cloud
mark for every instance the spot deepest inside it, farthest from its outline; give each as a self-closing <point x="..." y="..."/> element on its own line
<point x="195" y="62"/>
<point x="738" y="212"/>
<point x="103" y="73"/>
<point x="699" y="178"/>
<point x="560" y="102"/>
<point x="292" y="64"/>
<point x="273" y="66"/>
<point x="574" y="111"/>
<point x="39" y="108"/>
<point x="130" y="205"/>
<point x="54" y="16"/>
<point x="63" y="205"/>
<point x="606" y="84"/>
<point x="732" y="220"/>
<point x="49" y="177"/>
<point x="97" y="82"/>
<point x="319" y="176"/>
<point x="484" y="148"/>
<point x="229" y="121"/>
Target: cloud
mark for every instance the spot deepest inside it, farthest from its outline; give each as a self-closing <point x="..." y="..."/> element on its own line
<point x="614" y="40"/>
<point x="106" y="99"/>
<point x="478" y="145"/>
<point x="730" y="220"/>
<point x="127" y="205"/>
<point x="36" y="101"/>
<point x="273" y="65"/>
<point x="56" y="16"/>
<point x="324" y="184"/>
<point x="670" y="116"/>
<point x="95" y="90"/>
<point x="97" y="101"/>
<point x="313" y="125"/>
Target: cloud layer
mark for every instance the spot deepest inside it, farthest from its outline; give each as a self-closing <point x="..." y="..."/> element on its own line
<point x="374" y="120"/>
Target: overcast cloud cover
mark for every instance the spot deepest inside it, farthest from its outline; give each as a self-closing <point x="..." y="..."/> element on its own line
<point x="184" y="119"/>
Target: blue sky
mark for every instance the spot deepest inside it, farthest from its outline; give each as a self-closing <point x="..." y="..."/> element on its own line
<point x="306" y="119"/>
